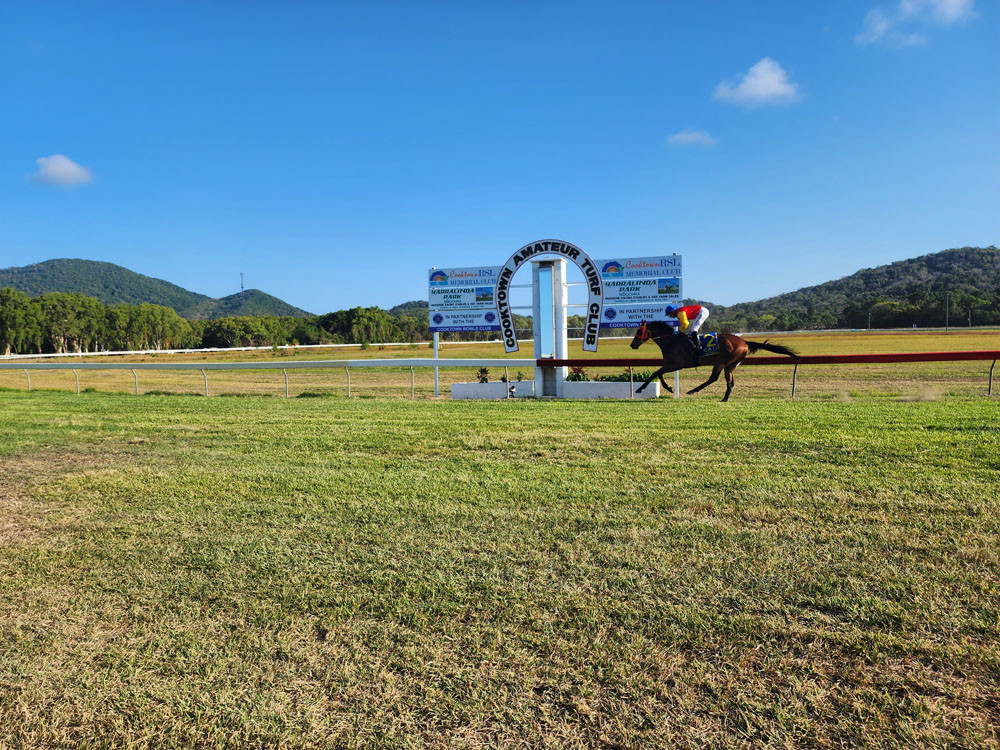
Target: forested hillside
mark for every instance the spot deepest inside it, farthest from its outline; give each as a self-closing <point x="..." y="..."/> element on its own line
<point x="899" y="295"/>
<point x="113" y="284"/>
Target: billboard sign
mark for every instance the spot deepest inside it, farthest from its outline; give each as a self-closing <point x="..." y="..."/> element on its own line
<point x="452" y="277"/>
<point x="622" y="292"/>
<point x="462" y="299"/>
<point x="630" y="316"/>
<point x="445" y="321"/>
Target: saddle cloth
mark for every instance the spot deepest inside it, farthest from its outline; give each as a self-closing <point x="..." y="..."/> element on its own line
<point x="709" y="343"/>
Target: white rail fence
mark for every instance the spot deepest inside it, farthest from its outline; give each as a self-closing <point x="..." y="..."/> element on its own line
<point x="327" y="364"/>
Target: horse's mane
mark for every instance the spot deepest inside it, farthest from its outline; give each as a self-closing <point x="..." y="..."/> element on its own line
<point x="659" y="328"/>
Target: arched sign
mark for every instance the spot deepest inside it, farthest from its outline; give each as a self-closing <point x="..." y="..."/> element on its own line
<point x="591" y="273"/>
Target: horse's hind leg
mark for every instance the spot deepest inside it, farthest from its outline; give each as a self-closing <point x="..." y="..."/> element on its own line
<point x="664" y="384"/>
<point x="714" y="376"/>
<point x="730" y="379"/>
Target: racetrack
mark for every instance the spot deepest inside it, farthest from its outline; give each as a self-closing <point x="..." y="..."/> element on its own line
<point x="182" y="571"/>
<point x="911" y="380"/>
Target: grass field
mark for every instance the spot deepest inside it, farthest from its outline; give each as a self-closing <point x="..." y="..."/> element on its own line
<point x="915" y="380"/>
<point x="333" y="572"/>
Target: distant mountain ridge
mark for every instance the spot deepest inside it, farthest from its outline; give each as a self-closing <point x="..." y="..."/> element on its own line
<point x="919" y="291"/>
<point x="113" y="284"/>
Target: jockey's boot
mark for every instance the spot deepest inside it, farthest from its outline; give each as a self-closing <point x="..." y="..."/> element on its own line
<point x="695" y="347"/>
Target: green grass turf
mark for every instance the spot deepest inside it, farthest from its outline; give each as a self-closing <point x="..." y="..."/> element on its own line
<point x="181" y="571"/>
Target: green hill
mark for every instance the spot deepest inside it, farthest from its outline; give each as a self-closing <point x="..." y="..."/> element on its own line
<point x="113" y="284"/>
<point x="914" y="291"/>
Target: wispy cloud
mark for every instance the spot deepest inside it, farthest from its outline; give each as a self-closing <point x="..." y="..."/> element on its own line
<point x="60" y="170"/>
<point x="691" y="138"/>
<point x="765" y="83"/>
<point x="896" y="28"/>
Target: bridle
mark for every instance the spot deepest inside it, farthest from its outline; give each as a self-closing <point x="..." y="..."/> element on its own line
<point x="644" y="335"/>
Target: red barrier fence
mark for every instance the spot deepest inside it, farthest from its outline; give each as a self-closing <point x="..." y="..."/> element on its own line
<point x="804" y="359"/>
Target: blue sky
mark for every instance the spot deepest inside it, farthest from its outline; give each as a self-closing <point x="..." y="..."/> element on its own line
<point x="333" y="152"/>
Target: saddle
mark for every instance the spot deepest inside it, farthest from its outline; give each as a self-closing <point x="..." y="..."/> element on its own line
<point x="708" y="344"/>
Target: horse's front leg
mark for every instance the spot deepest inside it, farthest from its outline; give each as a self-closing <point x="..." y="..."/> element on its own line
<point x="657" y="374"/>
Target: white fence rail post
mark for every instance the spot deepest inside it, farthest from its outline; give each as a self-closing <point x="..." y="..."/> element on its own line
<point x="348" y="371"/>
<point x="29" y="379"/>
<point x="77" y="376"/>
<point x="205" y="375"/>
<point x="285" y="373"/>
<point x="135" y="376"/>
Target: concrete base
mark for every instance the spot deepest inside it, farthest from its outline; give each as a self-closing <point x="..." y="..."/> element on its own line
<point x="522" y="389"/>
<point x="598" y="389"/>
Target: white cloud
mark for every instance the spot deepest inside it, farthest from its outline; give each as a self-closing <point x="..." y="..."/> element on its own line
<point x="944" y="12"/>
<point x="896" y="29"/>
<point x="765" y="83"/>
<point x="60" y="170"/>
<point x="691" y="138"/>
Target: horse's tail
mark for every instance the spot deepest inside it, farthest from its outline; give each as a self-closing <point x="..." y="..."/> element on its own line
<point x="755" y="346"/>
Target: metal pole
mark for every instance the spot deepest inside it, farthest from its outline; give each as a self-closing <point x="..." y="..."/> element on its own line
<point x="205" y="375"/>
<point x="135" y="377"/>
<point x="29" y="380"/>
<point x="348" y="371"/>
<point x="631" y="383"/>
<point x="285" y="373"/>
<point x="412" y="389"/>
<point x="990" y="391"/>
<point x="506" y="381"/>
<point x="795" y="371"/>
<point x="437" y="390"/>
<point x="677" y="384"/>
<point x="77" y="376"/>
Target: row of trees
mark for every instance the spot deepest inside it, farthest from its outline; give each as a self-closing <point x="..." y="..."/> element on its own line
<point x="62" y="323"/>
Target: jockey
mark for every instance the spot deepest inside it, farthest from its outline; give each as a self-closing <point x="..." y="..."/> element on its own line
<point x="690" y="318"/>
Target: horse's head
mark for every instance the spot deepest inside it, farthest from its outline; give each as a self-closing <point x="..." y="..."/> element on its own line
<point x="641" y="335"/>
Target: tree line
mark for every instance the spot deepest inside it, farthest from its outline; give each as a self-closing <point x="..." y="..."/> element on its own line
<point x="58" y="322"/>
<point x="923" y="309"/>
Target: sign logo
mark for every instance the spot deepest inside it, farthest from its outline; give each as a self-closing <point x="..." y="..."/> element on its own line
<point x="439" y="278"/>
<point x="438" y="318"/>
<point x="490" y="317"/>
<point x="613" y="270"/>
<point x="668" y="286"/>
<point x="611" y="313"/>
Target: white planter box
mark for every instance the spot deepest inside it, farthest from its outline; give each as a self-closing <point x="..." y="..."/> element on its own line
<point x="597" y="389"/>
<point x="522" y="389"/>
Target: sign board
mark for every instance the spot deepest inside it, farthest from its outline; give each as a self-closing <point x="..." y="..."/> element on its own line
<point x="452" y="277"/>
<point x="630" y="316"/>
<point x="444" y="321"/>
<point x="462" y="299"/>
<point x="638" y="289"/>
<point x="623" y="292"/>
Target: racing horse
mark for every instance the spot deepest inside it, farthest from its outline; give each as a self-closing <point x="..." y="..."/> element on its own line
<point x="678" y="354"/>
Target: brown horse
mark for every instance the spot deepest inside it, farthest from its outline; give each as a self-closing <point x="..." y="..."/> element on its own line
<point x="678" y="354"/>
